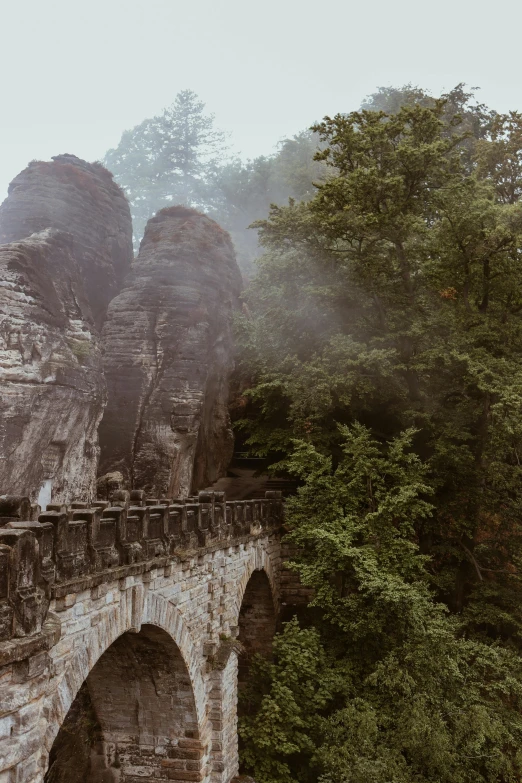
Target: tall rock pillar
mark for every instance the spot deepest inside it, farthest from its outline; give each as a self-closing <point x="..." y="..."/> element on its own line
<point x="67" y="244"/>
<point x="168" y="357"/>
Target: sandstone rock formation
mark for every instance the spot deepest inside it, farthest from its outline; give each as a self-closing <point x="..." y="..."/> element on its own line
<point x="167" y="358"/>
<point x="52" y="390"/>
<point x="66" y="237"/>
<point x="81" y="198"/>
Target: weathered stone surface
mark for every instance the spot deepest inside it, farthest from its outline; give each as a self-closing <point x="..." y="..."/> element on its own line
<point x="28" y="648"/>
<point x="108" y="483"/>
<point x="52" y="391"/>
<point x="70" y="760"/>
<point x="167" y="346"/>
<point x="79" y="547"/>
<point x="155" y="642"/>
<point x="81" y="198"/>
<point x="67" y="232"/>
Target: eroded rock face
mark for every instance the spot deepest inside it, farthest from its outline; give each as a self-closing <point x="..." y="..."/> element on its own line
<point x="66" y="237"/>
<point x="52" y="391"/>
<point x="167" y="358"/>
<point x="81" y="198"/>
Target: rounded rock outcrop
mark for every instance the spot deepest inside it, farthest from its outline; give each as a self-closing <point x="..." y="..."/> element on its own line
<point x="82" y="199"/>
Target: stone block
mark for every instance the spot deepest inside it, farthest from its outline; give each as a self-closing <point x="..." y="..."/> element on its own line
<point x="35" y="666"/>
<point x="6" y="726"/>
<point x="22" y="588"/>
<point x="28" y="716"/>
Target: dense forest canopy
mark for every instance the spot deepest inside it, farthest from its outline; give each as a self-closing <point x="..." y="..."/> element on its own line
<point x="381" y="364"/>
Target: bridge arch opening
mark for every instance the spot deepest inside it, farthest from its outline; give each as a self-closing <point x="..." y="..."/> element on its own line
<point x="257" y="622"/>
<point x="133" y="718"/>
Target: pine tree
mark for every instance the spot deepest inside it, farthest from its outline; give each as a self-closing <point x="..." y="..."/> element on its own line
<point x="169" y="159"/>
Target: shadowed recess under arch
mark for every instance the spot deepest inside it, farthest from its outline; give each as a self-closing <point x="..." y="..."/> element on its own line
<point x="257" y="621"/>
<point x="134" y="717"/>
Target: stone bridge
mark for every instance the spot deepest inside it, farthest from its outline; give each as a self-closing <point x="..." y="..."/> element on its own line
<point x="121" y="625"/>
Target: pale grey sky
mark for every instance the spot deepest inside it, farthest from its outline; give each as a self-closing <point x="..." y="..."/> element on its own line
<point x="76" y="74"/>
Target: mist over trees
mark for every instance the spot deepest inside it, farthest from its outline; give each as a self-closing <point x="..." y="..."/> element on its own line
<point x="380" y="356"/>
<point x="382" y="352"/>
<point x="180" y="157"/>
<point x="247" y="190"/>
<point x="169" y="159"/>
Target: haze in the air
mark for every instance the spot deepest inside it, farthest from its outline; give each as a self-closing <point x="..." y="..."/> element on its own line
<point x="76" y="75"/>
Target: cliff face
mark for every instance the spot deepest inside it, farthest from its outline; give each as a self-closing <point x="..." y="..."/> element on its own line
<point x="81" y="198"/>
<point x="167" y="358"/>
<point x="52" y="391"/>
<point x="66" y="237"/>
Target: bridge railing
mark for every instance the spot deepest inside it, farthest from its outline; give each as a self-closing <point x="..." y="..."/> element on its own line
<point x="69" y="543"/>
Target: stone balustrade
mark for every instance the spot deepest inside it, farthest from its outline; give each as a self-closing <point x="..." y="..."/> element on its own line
<point x="45" y="556"/>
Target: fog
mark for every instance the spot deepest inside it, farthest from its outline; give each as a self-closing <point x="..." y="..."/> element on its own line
<point x="74" y="76"/>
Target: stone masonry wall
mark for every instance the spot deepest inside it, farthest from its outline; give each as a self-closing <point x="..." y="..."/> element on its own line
<point x="193" y="593"/>
<point x="143" y="699"/>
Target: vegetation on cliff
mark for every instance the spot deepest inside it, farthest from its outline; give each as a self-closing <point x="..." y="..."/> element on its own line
<point x="382" y="341"/>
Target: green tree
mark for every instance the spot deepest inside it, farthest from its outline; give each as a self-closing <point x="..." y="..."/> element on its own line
<point x="246" y="190"/>
<point x="386" y="686"/>
<point x="169" y="159"/>
<point x="391" y="99"/>
<point x="499" y="156"/>
<point x="392" y="299"/>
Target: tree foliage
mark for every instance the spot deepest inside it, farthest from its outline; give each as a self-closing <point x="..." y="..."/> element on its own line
<point x="180" y="157"/>
<point x="383" y="347"/>
<point x="169" y="159"/>
<point x="248" y="189"/>
<point x="387" y="686"/>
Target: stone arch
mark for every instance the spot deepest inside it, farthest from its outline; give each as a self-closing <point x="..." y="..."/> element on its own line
<point x="257" y="611"/>
<point x="259" y="560"/>
<point x="223" y="680"/>
<point x="257" y="621"/>
<point x="135" y="620"/>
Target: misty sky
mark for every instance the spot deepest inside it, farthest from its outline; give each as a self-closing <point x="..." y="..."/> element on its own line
<point x="75" y="75"/>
